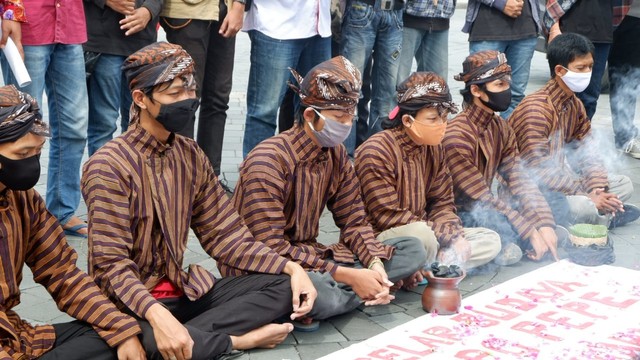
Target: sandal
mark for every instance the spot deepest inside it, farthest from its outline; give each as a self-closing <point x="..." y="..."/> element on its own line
<point x="74" y="231"/>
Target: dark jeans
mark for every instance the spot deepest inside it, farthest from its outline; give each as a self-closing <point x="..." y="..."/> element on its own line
<point x="78" y="340"/>
<point x="235" y="306"/>
<point x="624" y="79"/>
<point x="213" y="55"/>
<point x="590" y="95"/>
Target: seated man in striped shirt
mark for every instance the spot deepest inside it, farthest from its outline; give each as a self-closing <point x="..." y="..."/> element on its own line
<point x="287" y="181"/>
<point x="406" y="185"/>
<point x="144" y="190"/>
<point x="480" y="146"/>
<point x="30" y="235"/>
<point x="554" y="136"/>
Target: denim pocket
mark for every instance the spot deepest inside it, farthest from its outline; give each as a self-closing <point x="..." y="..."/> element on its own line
<point x="359" y="15"/>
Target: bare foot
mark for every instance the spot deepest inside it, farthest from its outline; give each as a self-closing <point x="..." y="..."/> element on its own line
<point x="412" y="281"/>
<point x="267" y="336"/>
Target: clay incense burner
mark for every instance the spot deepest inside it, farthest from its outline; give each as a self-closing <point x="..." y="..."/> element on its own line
<point x="441" y="295"/>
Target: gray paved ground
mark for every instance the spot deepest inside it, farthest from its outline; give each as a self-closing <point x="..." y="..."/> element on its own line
<point x="343" y="331"/>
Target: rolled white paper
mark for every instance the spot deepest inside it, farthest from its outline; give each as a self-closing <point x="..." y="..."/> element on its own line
<point x="12" y="55"/>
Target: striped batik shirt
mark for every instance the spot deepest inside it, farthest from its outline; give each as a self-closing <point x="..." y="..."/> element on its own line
<point x="549" y="125"/>
<point x="403" y="182"/>
<point x="30" y="235"/>
<point x="479" y="146"/>
<point x="285" y="184"/>
<point x="142" y="197"/>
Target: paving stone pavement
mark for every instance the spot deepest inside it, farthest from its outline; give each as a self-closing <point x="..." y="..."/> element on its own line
<point x="342" y="331"/>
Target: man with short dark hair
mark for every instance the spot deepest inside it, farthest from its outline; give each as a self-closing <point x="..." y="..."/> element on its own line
<point x="553" y="133"/>
<point x="30" y="235"/>
<point x="144" y="190"/>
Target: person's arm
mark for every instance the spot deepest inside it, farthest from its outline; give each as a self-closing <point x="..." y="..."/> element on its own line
<point x="375" y="168"/>
<point x="12" y="16"/>
<point x="469" y="180"/>
<point x="53" y="263"/>
<point x="223" y="234"/>
<point x="110" y="239"/>
<point x="349" y="215"/>
<point x="531" y="122"/>
<point x="441" y="209"/>
<point x="521" y="186"/>
<point x="140" y="17"/>
<point x="554" y="10"/>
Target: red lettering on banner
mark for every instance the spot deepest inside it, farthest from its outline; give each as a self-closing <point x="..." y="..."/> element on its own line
<point x="536" y="329"/>
<point x="545" y="292"/>
<point x="433" y="343"/>
<point x="469" y="319"/>
<point x="379" y="354"/>
<point x="503" y="346"/>
<point x="608" y="300"/>
<point x="564" y="321"/>
<point x="516" y="303"/>
<point x="473" y="355"/>
<point x="505" y="314"/>
<point x="581" y="308"/>
<point x="413" y="352"/>
<point x="566" y="286"/>
<point x="442" y="332"/>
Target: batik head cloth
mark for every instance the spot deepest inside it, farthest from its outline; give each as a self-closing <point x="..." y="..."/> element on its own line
<point x="483" y="66"/>
<point x="155" y="64"/>
<point x="19" y="115"/>
<point x="333" y="84"/>
<point x="424" y="89"/>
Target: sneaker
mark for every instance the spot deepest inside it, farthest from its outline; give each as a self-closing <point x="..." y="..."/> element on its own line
<point x="631" y="213"/>
<point x="509" y="255"/>
<point x="632" y="148"/>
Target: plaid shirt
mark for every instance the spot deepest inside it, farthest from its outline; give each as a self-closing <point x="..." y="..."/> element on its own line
<point x="555" y="9"/>
<point x="431" y="8"/>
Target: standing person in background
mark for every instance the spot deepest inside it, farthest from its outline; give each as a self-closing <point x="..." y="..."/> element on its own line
<point x="53" y="56"/>
<point x="624" y="80"/>
<point x="372" y="31"/>
<point x="284" y="34"/>
<point x="510" y="27"/>
<point x="115" y="30"/>
<point x="593" y="19"/>
<point x="207" y="30"/>
<point x="425" y="36"/>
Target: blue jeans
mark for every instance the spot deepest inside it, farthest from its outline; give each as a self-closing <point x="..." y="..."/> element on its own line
<point x="270" y="62"/>
<point x="519" y="54"/>
<point x="430" y="48"/>
<point x="59" y="69"/>
<point x="369" y="31"/>
<point x="590" y="95"/>
<point x="106" y="93"/>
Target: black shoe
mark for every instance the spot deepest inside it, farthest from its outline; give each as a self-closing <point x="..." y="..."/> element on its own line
<point x="631" y="213"/>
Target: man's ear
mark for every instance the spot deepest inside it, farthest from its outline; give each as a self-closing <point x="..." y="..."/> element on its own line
<point x="475" y="90"/>
<point x="138" y="96"/>
<point x="309" y="115"/>
<point x="559" y="70"/>
<point x="406" y="120"/>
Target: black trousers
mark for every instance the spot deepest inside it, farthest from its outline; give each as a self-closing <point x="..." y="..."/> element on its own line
<point x="213" y="55"/>
<point x="78" y="341"/>
<point x="235" y="306"/>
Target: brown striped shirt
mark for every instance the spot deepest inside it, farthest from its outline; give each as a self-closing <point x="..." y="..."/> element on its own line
<point x="545" y="124"/>
<point x="142" y="197"/>
<point x="403" y="182"/>
<point x="285" y="184"/>
<point x="30" y="235"/>
<point x="479" y="146"/>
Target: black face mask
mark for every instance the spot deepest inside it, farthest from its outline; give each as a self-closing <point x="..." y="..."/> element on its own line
<point x="498" y="101"/>
<point x="176" y="116"/>
<point x="20" y="174"/>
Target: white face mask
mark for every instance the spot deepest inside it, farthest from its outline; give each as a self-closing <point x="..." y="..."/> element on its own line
<point x="576" y="81"/>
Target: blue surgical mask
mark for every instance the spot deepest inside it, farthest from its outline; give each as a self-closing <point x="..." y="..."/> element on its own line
<point x="333" y="133"/>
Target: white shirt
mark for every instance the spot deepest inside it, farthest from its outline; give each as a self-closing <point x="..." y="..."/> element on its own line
<point x="289" y="19"/>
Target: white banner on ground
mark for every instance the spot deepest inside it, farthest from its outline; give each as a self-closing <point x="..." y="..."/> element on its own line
<point x="561" y="311"/>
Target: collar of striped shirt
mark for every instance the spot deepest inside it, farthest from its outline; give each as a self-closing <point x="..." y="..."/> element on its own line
<point x="557" y="94"/>
<point x="304" y="147"/>
<point x="147" y="144"/>
<point x="407" y="144"/>
<point x="479" y="117"/>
